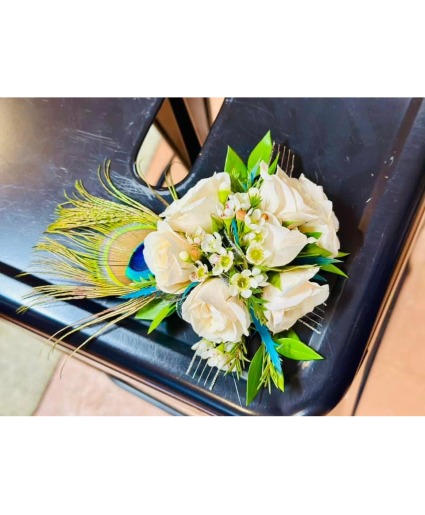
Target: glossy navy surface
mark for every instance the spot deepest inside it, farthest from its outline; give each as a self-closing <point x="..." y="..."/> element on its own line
<point x="368" y="154"/>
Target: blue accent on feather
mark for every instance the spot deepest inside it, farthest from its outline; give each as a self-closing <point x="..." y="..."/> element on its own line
<point x="235" y="232"/>
<point x="268" y="342"/>
<point x="137" y="270"/>
<point x="138" y="276"/>
<point x="140" y="293"/>
<point x="137" y="261"/>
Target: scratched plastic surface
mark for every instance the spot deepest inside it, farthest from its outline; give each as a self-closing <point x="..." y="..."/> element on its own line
<point x="368" y="154"/>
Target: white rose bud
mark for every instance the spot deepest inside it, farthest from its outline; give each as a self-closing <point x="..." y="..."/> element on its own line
<point x="326" y="222"/>
<point x="214" y="314"/>
<point x="283" y="244"/>
<point x="195" y="208"/>
<point x="281" y="198"/>
<point x="163" y="251"/>
<point x="296" y="297"/>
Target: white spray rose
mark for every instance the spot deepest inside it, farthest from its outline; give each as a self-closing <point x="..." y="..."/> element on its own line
<point x="281" y="198"/>
<point x="283" y="244"/>
<point x="214" y="314"/>
<point x="296" y="297"/>
<point x="162" y="252"/>
<point x="326" y="222"/>
<point x="195" y="208"/>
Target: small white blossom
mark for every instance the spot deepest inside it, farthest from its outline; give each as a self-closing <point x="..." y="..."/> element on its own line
<point x="255" y="220"/>
<point x="225" y="211"/>
<point x="239" y="201"/>
<point x="212" y="243"/>
<point x="259" y="277"/>
<point x="222" y="262"/>
<point x="196" y="237"/>
<point x="243" y="283"/>
<point x="217" y="356"/>
<point x="254" y="237"/>
<point x="200" y="274"/>
<point x="253" y="192"/>
<point x="256" y="254"/>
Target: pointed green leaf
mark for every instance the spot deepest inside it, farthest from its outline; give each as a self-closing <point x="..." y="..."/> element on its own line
<point x="290" y="268"/>
<point x="314" y="260"/>
<point x="312" y="249"/>
<point x="290" y="224"/>
<point x="262" y="152"/>
<point x="290" y="333"/>
<point x="343" y="254"/>
<point x="313" y="235"/>
<point x="254" y="375"/>
<point x="151" y="310"/>
<point x="333" y="270"/>
<point x="278" y="379"/>
<point x="234" y="165"/>
<point x="273" y="166"/>
<point x="164" y="313"/>
<point x="276" y="281"/>
<point x="217" y="223"/>
<point x="295" y="349"/>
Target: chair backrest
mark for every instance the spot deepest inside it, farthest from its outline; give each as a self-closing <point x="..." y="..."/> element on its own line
<point x="368" y="154"/>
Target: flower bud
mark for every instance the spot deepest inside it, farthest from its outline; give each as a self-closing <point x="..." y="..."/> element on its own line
<point x="184" y="256"/>
<point x="240" y="215"/>
<point x="223" y="192"/>
<point x="195" y="253"/>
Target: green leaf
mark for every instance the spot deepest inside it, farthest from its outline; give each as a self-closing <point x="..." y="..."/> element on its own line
<point x="314" y="260"/>
<point x="313" y="235"/>
<point x="343" y="254"/>
<point x="290" y="224"/>
<point x="290" y="268"/>
<point x="276" y="280"/>
<point x="234" y="165"/>
<point x="254" y="375"/>
<point x="312" y="249"/>
<point x="333" y="270"/>
<point x="290" y="333"/>
<point x="262" y="152"/>
<point x="278" y="379"/>
<point x="151" y="310"/>
<point x="217" y="223"/>
<point x="273" y="166"/>
<point x="164" y="313"/>
<point x="295" y="349"/>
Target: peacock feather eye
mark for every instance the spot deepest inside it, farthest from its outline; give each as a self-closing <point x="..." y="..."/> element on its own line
<point x="123" y="249"/>
<point x="137" y="260"/>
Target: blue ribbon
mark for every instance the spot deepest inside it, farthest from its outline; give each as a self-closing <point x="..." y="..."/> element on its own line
<point x="268" y="341"/>
<point x="235" y="232"/>
<point x="183" y="297"/>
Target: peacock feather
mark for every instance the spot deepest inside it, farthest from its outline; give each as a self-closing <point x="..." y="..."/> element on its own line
<point x="94" y="249"/>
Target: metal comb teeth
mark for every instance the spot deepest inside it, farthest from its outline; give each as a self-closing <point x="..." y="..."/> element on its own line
<point x="214" y="378"/>
<point x="314" y="319"/>
<point x="198" y="365"/>
<point x="287" y="159"/>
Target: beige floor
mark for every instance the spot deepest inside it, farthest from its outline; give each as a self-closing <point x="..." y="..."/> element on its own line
<point x="30" y="382"/>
